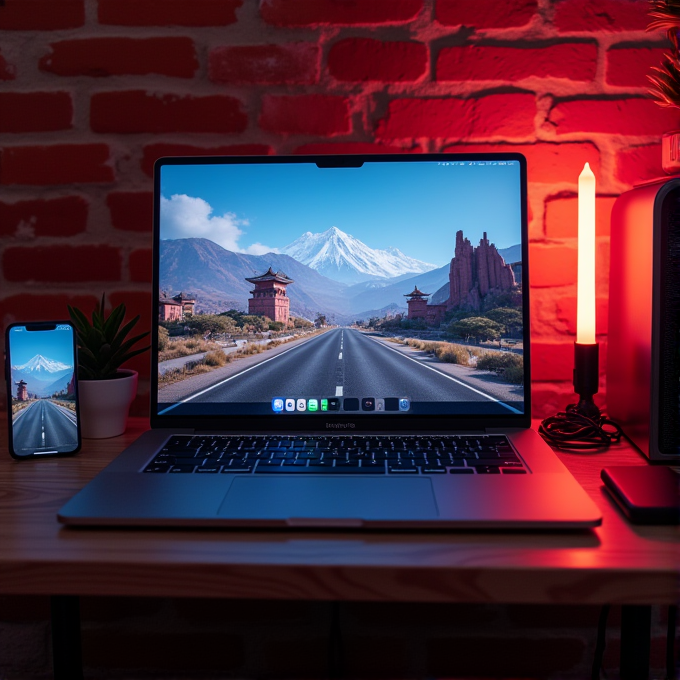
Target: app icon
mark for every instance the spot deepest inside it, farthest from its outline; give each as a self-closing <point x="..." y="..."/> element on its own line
<point x="324" y="404"/>
<point x="301" y="405"/>
<point x="290" y="404"/>
<point x="277" y="404"/>
<point x="312" y="404"/>
<point x="334" y="404"/>
<point x="368" y="404"/>
<point x="391" y="404"/>
<point x="404" y="404"/>
<point x="350" y="404"/>
<point x="380" y="405"/>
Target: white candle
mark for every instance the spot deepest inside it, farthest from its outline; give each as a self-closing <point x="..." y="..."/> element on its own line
<point x="585" y="305"/>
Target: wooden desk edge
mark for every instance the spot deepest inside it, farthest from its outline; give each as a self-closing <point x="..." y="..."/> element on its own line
<point x="141" y="574"/>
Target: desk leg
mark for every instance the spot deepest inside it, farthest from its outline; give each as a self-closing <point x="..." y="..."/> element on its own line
<point x="66" y="650"/>
<point x="335" y="651"/>
<point x="636" y="628"/>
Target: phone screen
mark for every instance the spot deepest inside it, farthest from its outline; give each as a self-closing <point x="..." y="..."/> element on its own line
<point x="43" y="394"/>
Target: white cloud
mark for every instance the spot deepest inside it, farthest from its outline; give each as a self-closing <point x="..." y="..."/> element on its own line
<point x="184" y="216"/>
<point x="259" y="249"/>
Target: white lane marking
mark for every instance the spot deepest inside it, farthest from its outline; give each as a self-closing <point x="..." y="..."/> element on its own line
<point x="338" y="391"/>
<point x="226" y="380"/>
<point x="42" y="420"/>
<point x="340" y="356"/>
<point x="462" y="384"/>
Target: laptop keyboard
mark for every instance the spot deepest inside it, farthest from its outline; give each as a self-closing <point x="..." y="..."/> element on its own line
<point x="373" y="455"/>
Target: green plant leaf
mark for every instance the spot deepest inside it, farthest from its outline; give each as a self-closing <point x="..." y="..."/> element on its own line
<point x="79" y="320"/>
<point x="112" y="324"/>
<point x="122" y="334"/>
<point x="103" y="344"/>
<point x="129" y="343"/>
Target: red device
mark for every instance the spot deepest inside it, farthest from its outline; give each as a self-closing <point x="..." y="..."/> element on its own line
<point x="643" y="353"/>
<point x="647" y="494"/>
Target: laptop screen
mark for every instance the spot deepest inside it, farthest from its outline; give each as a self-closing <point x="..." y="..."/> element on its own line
<point x="306" y="290"/>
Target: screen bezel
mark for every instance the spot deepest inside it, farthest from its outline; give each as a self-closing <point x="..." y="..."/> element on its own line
<point x="341" y="422"/>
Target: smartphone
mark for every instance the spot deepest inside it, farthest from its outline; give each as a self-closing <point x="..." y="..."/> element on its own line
<point x="42" y="390"/>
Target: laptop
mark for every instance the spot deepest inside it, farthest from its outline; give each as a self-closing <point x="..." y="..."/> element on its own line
<point x="342" y="342"/>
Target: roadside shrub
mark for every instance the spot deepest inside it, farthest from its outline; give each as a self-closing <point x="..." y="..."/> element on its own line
<point x="514" y="374"/>
<point x="250" y="348"/>
<point x="495" y="361"/>
<point x="182" y="347"/>
<point x="216" y="358"/>
<point x="476" y="328"/>
<point x="452" y="354"/>
<point x="163" y="338"/>
<point x="429" y="346"/>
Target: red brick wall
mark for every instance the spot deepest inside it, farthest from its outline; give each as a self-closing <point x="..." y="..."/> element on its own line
<point x="92" y="91"/>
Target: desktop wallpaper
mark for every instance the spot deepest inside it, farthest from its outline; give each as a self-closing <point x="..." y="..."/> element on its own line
<point x="359" y="265"/>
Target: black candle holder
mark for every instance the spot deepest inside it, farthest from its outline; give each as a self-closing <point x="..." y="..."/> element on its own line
<point x="586" y="379"/>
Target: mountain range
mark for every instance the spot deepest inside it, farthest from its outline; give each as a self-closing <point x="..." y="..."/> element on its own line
<point x="341" y="257"/>
<point x="217" y="278"/>
<point x="43" y="376"/>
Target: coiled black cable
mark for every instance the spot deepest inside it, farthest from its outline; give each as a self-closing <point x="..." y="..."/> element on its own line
<point x="571" y="430"/>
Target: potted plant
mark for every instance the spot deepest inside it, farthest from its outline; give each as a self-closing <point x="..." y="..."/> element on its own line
<point x="666" y="78"/>
<point x="106" y="390"/>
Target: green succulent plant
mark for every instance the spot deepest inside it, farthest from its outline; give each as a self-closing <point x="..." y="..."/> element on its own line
<point x="666" y="78"/>
<point x="102" y="343"/>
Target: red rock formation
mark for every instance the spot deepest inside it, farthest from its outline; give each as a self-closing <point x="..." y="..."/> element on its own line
<point x="492" y="272"/>
<point x="461" y="273"/>
<point x="476" y="272"/>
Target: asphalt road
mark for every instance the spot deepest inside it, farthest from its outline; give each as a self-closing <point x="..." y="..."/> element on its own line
<point x="344" y="363"/>
<point x="44" y="426"/>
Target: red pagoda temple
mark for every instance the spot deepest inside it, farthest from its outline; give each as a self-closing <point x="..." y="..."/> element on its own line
<point x="22" y="392"/>
<point x="417" y="304"/>
<point x="269" y="296"/>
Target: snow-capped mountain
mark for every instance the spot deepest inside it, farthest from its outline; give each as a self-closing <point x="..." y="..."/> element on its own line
<point x="43" y="376"/>
<point x="41" y="367"/>
<point x="341" y="257"/>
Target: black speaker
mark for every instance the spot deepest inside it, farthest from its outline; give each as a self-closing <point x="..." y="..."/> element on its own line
<point x="643" y="348"/>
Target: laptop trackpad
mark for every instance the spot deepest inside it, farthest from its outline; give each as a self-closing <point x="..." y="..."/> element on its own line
<point x="336" y="498"/>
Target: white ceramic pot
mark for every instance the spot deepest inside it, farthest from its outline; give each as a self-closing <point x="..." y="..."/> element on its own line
<point x="105" y="404"/>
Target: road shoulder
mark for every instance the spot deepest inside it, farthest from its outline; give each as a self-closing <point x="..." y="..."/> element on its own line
<point x="484" y="381"/>
<point x="185" y="388"/>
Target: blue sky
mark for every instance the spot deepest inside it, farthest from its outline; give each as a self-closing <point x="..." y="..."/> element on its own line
<point x="415" y="207"/>
<point x="56" y="345"/>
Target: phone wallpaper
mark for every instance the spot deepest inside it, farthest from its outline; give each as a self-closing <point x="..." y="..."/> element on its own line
<point x="43" y="391"/>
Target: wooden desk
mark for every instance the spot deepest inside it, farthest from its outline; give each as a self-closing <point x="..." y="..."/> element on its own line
<point x="616" y="564"/>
